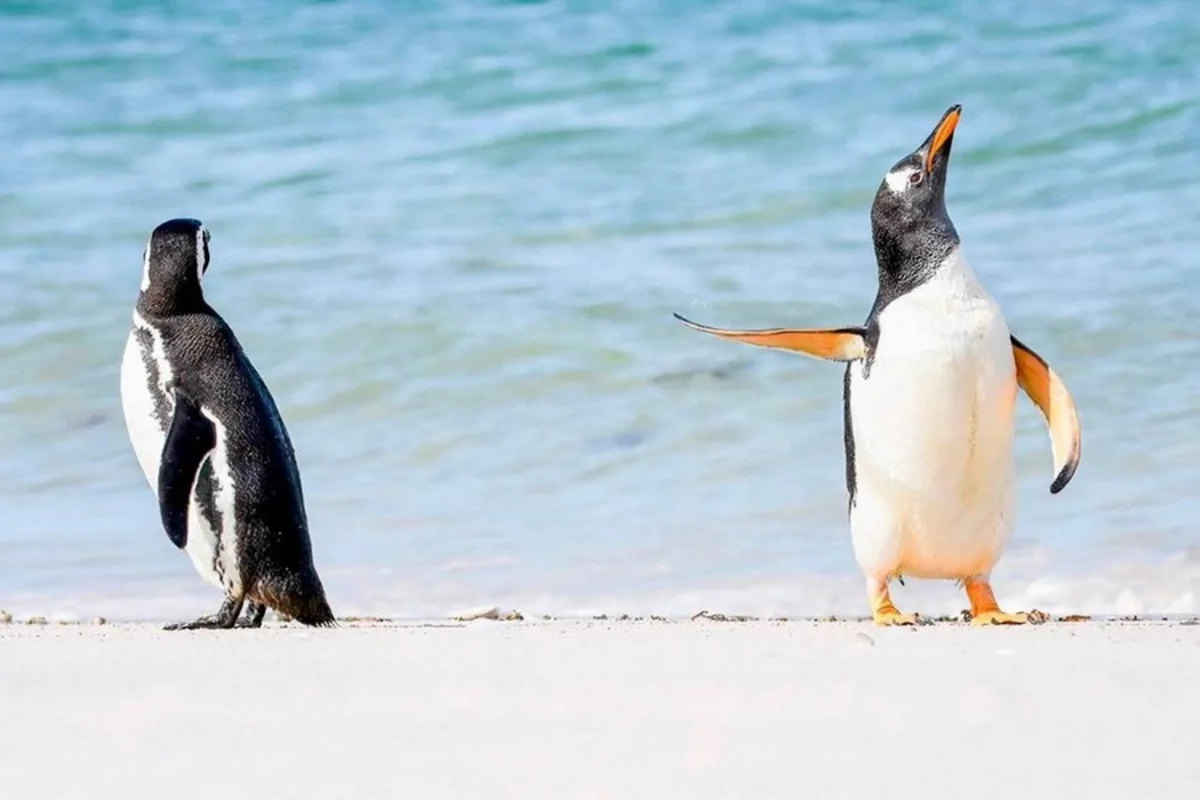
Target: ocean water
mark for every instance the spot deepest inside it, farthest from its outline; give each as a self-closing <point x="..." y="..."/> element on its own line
<point x="451" y="237"/>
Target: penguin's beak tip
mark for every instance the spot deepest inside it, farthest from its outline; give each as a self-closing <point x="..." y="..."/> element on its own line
<point x="942" y="135"/>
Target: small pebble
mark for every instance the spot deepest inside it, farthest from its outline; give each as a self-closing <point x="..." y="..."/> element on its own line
<point x="36" y="621"/>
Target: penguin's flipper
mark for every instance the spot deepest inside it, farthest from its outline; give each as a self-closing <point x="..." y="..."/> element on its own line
<point x="190" y="438"/>
<point x="1050" y="394"/>
<point x="831" y="344"/>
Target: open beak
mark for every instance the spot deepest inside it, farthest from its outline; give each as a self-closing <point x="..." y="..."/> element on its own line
<point x="942" y="136"/>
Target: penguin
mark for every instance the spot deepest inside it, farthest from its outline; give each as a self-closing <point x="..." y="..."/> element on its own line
<point x="210" y="440"/>
<point x="929" y="394"/>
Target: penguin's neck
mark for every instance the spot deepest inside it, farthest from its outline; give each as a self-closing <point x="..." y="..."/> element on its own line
<point x="909" y="255"/>
<point x="156" y="302"/>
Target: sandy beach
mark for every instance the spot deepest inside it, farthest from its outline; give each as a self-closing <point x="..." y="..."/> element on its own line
<point x="601" y="709"/>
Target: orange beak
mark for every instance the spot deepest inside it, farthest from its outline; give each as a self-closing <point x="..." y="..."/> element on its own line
<point x="942" y="134"/>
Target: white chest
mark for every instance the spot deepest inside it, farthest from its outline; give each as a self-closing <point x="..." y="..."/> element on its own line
<point x="937" y="397"/>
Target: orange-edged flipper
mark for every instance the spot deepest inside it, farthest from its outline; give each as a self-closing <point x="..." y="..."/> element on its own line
<point x="1050" y="394"/>
<point x="831" y="344"/>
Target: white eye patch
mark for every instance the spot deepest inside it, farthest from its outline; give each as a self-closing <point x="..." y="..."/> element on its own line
<point x="201" y="261"/>
<point x="146" y="267"/>
<point x="897" y="181"/>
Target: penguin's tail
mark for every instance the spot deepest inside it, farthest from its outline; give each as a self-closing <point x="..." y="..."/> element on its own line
<point x="304" y="603"/>
<point x="314" y="611"/>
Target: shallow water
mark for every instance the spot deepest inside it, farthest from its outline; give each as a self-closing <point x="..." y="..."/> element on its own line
<point x="451" y="240"/>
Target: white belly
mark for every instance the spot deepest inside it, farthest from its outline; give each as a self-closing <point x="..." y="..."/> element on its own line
<point x="145" y="433"/>
<point x="148" y="434"/>
<point x="933" y="432"/>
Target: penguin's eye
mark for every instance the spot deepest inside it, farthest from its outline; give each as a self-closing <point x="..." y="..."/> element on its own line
<point x="915" y="178"/>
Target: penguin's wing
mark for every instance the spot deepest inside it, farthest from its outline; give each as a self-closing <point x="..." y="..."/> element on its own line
<point x="832" y="344"/>
<point x="1050" y="394"/>
<point x="189" y="439"/>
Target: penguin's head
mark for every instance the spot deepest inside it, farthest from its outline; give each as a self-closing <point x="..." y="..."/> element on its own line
<point x="909" y="212"/>
<point x="175" y="259"/>
<point x="917" y="182"/>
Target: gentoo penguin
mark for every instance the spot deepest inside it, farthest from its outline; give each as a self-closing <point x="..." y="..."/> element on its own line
<point x="928" y="397"/>
<point x="210" y="440"/>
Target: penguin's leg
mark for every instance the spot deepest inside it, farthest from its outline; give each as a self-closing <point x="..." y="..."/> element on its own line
<point x="878" y="537"/>
<point x="883" y="611"/>
<point x="225" y="618"/>
<point x="254" y="616"/>
<point x="985" y="610"/>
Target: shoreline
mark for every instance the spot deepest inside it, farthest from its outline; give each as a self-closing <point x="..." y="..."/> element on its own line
<point x="1143" y="589"/>
<point x="496" y="614"/>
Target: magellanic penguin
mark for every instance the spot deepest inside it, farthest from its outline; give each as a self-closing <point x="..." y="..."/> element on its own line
<point x="929" y="394"/>
<point x="210" y="440"/>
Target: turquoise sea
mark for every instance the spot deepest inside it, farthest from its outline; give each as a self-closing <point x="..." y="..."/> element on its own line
<point x="451" y="237"/>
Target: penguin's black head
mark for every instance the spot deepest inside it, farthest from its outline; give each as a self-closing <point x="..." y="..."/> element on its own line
<point x="174" y="263"/>
<point x="908" y="218"/>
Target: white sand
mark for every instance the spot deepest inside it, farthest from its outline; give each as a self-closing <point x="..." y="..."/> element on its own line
<point x="596" y="709"/>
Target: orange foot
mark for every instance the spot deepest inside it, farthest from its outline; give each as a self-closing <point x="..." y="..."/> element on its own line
<point x="985" y="611"/>
<point x="882" y="609"/>
<point x="893" y="617"/>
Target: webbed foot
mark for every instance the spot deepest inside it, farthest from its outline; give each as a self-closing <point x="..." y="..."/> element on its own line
<point x="883" y="611"/>
<point x="985" y="610"/>
<point x="223" y="619"/>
